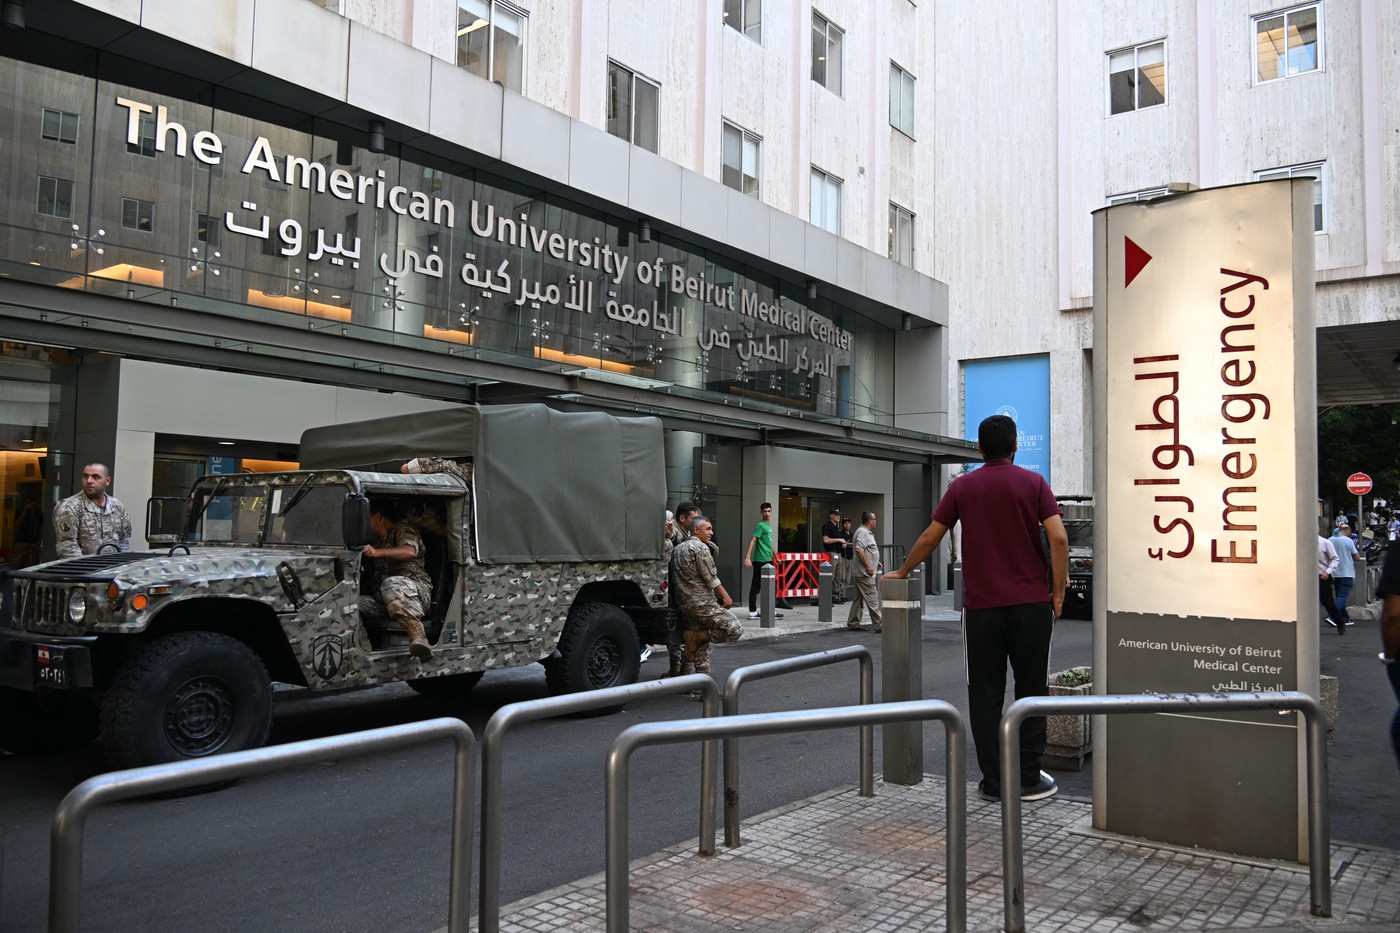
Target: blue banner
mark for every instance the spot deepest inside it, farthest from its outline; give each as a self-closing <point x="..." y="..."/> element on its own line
<point x="1020" y="389"/>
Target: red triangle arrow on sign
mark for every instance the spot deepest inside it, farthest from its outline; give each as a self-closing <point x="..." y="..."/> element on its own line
<point x="1134" y="259"/>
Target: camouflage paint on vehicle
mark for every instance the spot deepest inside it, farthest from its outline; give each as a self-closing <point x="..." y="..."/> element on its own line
<point x="504" y="615"/>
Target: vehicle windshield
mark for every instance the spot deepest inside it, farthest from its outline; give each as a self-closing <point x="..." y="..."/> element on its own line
<point x="259" y="513"/>
<point x="1081" y="533"/>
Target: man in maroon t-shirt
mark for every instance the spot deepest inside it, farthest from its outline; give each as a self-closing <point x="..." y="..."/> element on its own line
<point x="1010" y="602"/>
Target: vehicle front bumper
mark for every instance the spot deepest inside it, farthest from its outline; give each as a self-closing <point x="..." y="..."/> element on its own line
<point x="17" y="660"/>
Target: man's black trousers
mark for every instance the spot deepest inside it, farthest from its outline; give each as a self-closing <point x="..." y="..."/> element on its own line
<point x="1019" y="635"/>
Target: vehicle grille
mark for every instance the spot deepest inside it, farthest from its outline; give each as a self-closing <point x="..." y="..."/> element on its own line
<point x="40" y="603"/>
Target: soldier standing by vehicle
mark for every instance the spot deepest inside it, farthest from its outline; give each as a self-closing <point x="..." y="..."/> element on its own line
<point x="85" y="521"/>
<point x="397" y="575"/>
<point x="697" y="586"/>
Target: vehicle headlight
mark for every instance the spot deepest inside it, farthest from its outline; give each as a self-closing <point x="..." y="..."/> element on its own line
<point x="77" y="605"/>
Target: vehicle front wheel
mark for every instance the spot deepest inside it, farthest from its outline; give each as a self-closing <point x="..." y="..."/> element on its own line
<point x="187" y="695"/>
<point x="598" y="649"/>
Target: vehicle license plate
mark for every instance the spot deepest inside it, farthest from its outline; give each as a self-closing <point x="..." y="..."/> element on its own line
<point x="50" y="666"/>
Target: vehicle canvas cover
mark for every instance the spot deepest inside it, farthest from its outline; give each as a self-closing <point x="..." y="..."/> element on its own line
<point x="550" y="486"/>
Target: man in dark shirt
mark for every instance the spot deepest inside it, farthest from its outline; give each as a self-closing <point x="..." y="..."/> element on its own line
<point x="1009" y="606"/>
<point x="834" y="543"/>
<point x="1389" y="590"/>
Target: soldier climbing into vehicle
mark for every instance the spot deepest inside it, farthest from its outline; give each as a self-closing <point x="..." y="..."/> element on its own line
<point x="396" y="575"/>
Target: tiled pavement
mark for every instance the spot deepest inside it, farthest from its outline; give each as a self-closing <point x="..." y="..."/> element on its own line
<point x="840" y="863"/>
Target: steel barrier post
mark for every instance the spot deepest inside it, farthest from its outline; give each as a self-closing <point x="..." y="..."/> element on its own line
<point x="691" y="730"/>
<point x="493" y="753"/>
<point x="66" y="834"/>
<point x="738" y="677"/>
<point x="825" y="578"/>
<point x="902" y="675"/>
<point x="1013" y="858"/>
<point x="767" y="595"/>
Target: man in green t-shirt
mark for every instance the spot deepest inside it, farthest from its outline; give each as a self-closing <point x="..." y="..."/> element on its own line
<point x="760" y="552"/>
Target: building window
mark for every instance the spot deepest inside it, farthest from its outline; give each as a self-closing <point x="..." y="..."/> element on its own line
<point x="826" y="53"/>
<point x="1137" y="77"/>
<point x="634" y="106"/>
<point x="55" y="197"/>
<point x="826" y="201"/>
<point x="1147" y="194"/>
<point x="145" y="137"/>
<point x="741" y="159"/>
<point x="138" y="214"/>
<point x="745" y="16"/>
<point x="1288" y="44"/>
<point x="491" y="41"/>
<point x="60" y="126"/>
<point x="901" y="100"/>
<point x="205" y="230"/>
<point x="1311" y="170"/>
<point x="901" y="235"/>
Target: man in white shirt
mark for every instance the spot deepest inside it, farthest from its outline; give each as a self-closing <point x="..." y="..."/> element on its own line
<point x="1326" y="566"/>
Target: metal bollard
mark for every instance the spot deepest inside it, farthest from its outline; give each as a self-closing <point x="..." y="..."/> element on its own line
<point x="902" y="675"/>
<point x="824" y="594"/>
<point x="767" y="589"/>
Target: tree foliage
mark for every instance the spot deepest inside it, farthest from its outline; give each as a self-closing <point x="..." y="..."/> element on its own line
<point x="1358" y="439"/>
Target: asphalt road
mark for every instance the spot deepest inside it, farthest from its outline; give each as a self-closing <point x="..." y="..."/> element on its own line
<point x="362" y="844"/>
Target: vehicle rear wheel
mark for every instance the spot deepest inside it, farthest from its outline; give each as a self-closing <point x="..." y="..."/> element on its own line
<point x="45" y="722"/>
<point x="187" y="695"/>
<point x="446" y="687"/>
<point x="598" y="649"/>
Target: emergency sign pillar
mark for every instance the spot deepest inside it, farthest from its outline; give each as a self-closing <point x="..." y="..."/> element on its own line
<point x="902" y="676"/>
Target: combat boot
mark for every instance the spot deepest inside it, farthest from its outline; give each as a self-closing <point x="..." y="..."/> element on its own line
<point x="696" y="657"/>
<point x="417" y="640"/>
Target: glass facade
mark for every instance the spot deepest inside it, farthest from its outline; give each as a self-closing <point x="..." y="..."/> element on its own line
<point x="190" y="200"/>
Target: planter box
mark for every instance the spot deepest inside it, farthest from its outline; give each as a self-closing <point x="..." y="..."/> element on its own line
<point x="1067" y="738"/>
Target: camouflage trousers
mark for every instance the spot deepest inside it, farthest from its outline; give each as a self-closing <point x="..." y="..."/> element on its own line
<point x="400" y="599"/>
<point x="706" y="626"/>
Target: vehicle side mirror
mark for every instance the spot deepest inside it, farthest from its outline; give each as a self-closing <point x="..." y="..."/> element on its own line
<point x="354" y="522"/>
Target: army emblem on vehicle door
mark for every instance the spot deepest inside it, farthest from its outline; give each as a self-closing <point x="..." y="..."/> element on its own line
<point x="327" y="652"/>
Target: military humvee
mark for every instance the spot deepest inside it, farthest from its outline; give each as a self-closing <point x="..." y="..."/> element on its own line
<point x="544" y="545"/>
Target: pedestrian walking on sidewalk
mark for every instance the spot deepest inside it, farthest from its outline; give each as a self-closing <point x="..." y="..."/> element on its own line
<point x="1345" y="576"/>
<point x="760" y="555"/>
<point x="867" y="565"/>
<point x="1326" y="566"/>
<point x="1010" y="602"/>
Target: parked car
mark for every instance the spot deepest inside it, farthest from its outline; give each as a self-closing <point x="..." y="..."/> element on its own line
<point x="1079" y="594"/>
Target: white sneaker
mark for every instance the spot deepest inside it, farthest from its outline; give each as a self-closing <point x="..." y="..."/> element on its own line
<point x="646" y="652"/>
<point x="753" y="615"/>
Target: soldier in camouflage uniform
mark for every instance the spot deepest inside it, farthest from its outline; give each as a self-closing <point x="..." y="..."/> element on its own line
<point x="397" y="575"/>
<point x="678" y="532"/>
<point x="697" y="585"/>
<point x="84" y="521"/>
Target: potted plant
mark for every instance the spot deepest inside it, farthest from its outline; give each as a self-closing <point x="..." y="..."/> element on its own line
<point x="1067" y="738"/>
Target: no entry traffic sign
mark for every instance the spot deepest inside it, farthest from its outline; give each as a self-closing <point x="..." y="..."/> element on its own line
<point x="1358" y="484"/>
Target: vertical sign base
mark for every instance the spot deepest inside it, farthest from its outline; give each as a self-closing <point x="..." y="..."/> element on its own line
<point x="1205" y="478"/>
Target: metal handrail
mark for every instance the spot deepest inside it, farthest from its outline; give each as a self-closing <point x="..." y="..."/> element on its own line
<point x="1012" y="857"/>
<point x="740" y="676"/>
<point x="692" y="730"/>
<point x="493" y="739"/>
<point x="66" y="835"/>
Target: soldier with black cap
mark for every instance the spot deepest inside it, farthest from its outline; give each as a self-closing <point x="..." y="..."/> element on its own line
<point x="835" y="544"/>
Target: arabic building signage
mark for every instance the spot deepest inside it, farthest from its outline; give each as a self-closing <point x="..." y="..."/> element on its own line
<point x="1204" y="545"/>
<point x="488" y="269"/>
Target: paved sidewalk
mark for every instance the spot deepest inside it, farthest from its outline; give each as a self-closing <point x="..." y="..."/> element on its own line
<point x="804" y="617"/>
<point x="840" y="863"/>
